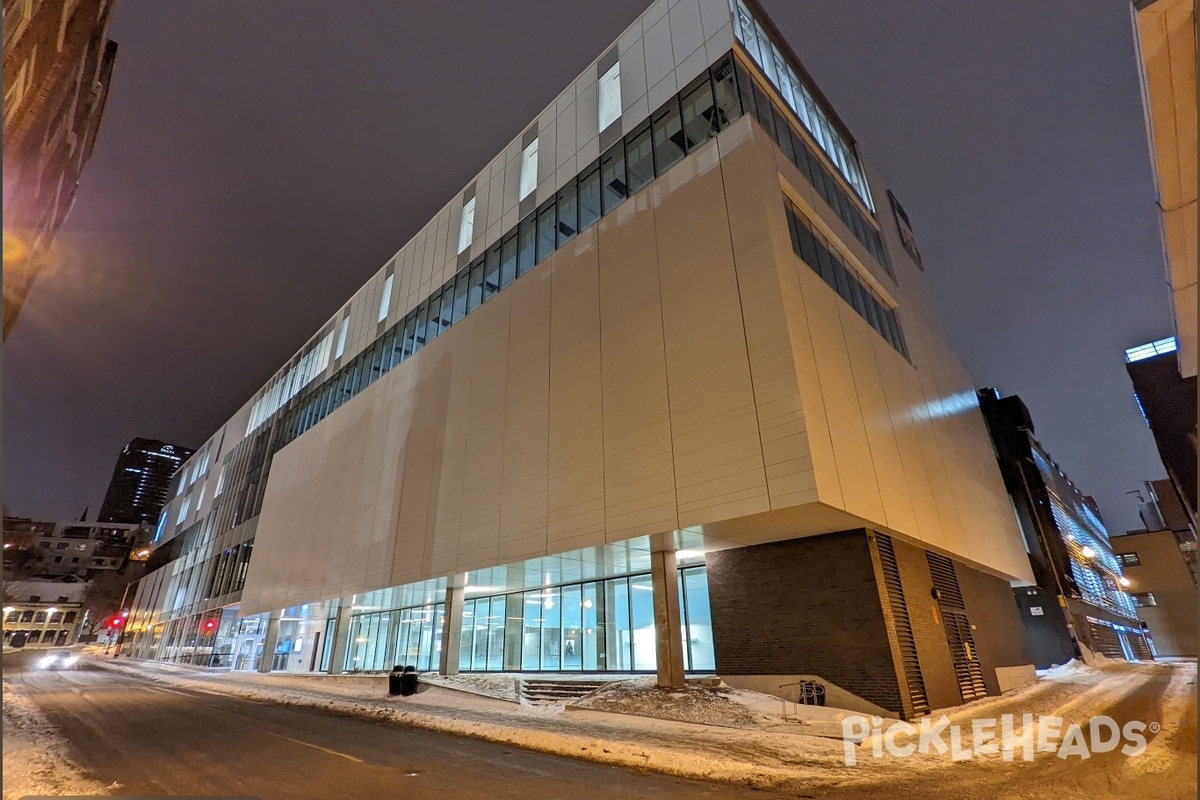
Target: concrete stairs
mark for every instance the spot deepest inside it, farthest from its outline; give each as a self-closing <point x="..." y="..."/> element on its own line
<point x="535" y="692"/>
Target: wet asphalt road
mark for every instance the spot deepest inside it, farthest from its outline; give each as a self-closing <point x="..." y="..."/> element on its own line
<point x="156" y="740"/>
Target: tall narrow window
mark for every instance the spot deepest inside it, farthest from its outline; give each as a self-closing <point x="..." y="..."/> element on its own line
<point x="529" y="168"/>
<point x="467" y="226"/>
<point x="610" y="96"/>
<point x="385" y="302"/>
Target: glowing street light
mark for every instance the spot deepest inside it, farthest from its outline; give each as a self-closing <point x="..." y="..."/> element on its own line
<point x="1088" y="552"/>
<point x="1123" y="580"/>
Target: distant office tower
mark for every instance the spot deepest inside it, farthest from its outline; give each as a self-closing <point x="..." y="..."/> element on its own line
<point x="141" y="480"/>
<point x="58" y="63"/>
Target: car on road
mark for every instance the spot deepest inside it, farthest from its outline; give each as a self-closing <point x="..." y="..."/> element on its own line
<point x="58" y="659"/>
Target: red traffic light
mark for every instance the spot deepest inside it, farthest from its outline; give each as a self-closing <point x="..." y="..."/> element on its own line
<point x="210" y="625"/>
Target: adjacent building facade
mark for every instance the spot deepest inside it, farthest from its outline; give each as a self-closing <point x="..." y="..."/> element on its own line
<point x="1167" y="400"/>
<point x="1163" y="587"/>
<point x="1081" y="594"/>
<point x="141" y="481"/>
<point x="660" y="390"/>
<point x="80" y="549"/>
<point x="42" y="612"/>
<point x="1165" y="36"/>
<point x="58" y="64"/>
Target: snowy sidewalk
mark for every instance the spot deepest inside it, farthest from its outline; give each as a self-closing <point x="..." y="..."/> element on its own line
<point x="1163" y="694"/>
<point x="36" y="761"/>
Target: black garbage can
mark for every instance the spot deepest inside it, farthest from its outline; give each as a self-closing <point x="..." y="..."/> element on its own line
<point x="408" y="681"/>
<point x="395" y="685"/>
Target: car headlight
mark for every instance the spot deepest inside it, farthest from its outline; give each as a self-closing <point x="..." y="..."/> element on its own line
<point x="46" y="661"/>
<point x="70" y="660"/>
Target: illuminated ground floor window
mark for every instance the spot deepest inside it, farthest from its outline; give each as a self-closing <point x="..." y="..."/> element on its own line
<point x="594" y="626"/>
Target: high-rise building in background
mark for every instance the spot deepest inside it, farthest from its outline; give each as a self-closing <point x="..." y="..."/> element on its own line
<point x="141" y="481"/>
<point x="1167" y="401"/>
<point x="1081" y="590"/>
<point x="661" y="389"/>
<point x="1165" y="36"/>
<point x="58" y="64"/>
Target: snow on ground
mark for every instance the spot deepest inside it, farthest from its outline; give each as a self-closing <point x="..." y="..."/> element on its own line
<point x="783" y="756"/>
<point x="693" y="703"/>
<point x="502" y="686"/>
<point x="36" y="761"/>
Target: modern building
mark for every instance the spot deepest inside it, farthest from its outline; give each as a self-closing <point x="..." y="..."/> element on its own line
<point x="1167" y="400"/>
<point x="77" y="548"/>
<point x="1163" y="587"/>
<point x="1080" y="596"/>
<point x="141" y="481"/>
<point x="1165" y="37"/>
<point x="58" y="64"/>
<point x="43" y="612"/>
<point x="660" y="390"/>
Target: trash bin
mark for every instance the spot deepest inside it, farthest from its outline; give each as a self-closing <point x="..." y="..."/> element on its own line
<point x="395" y="685"/>
<point x="408" y="681"/>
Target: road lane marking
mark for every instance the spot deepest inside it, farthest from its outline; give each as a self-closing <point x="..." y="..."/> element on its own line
<point x="346" y="756"/>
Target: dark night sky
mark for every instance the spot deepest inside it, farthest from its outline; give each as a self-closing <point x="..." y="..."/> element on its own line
<point x="258" y="161"/>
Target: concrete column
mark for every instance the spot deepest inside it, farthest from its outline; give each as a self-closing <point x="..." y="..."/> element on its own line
<point x="667" y="634"/>
<point x="270" y="639"/>
<point x="452" y="627"/>
<point x="341" y="635"/>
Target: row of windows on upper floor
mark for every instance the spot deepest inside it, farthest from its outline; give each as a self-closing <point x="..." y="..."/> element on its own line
<point x="825" y="260"/>
<point x="706" y="106"/>
<point x="800" y="99"/>
<point x="795" y="146"/>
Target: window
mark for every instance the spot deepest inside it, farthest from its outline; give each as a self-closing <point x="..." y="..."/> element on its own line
<point x="526" y="242"/>
<point x="385" y="302"/>
<point x="907" y="239"/>
<point x="183" y="509"/>
<point x="668" y="135"/>
<point x="547" y="241"/>
<point x="341" y="342"/>
<point x="220" y="482"/>
<point x="1145" y="599"/>
<point x="467" y="226"/>
<point x="822" y="258"/>
<point x="529" y="168"/>
<point x="1129" y="559"/>
<point x="568" y="213"/>
<point x="699" y="118"/>
<point x="589" y="196"/>
<point x="640" y="157"/>
<point x="610" y="96"/>
<point x="612" y="177"/>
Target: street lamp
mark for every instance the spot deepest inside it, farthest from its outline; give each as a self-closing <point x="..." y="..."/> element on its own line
<point x="1088" y="552"/>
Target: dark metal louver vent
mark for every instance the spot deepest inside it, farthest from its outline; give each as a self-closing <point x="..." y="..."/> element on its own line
<point x="904" y="630"/>
<point x="967" y="668"/>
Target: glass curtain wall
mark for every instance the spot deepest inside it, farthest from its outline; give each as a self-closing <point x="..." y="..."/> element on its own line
<point x="595" y="626"/>
<point x="406" y="636"/>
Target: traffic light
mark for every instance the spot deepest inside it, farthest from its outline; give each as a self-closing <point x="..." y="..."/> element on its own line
<point x="210" y="627"/>
<point x="114" y="622"/>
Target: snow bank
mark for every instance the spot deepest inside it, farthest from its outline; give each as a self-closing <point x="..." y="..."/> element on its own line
<point x="693" y="703"/>
<point x="36" y="761"/>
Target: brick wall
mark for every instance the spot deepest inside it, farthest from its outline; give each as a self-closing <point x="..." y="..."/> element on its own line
<point x="933" y="651"/>
<point x="996" y="625"/>
<point x="805" y="606"/>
